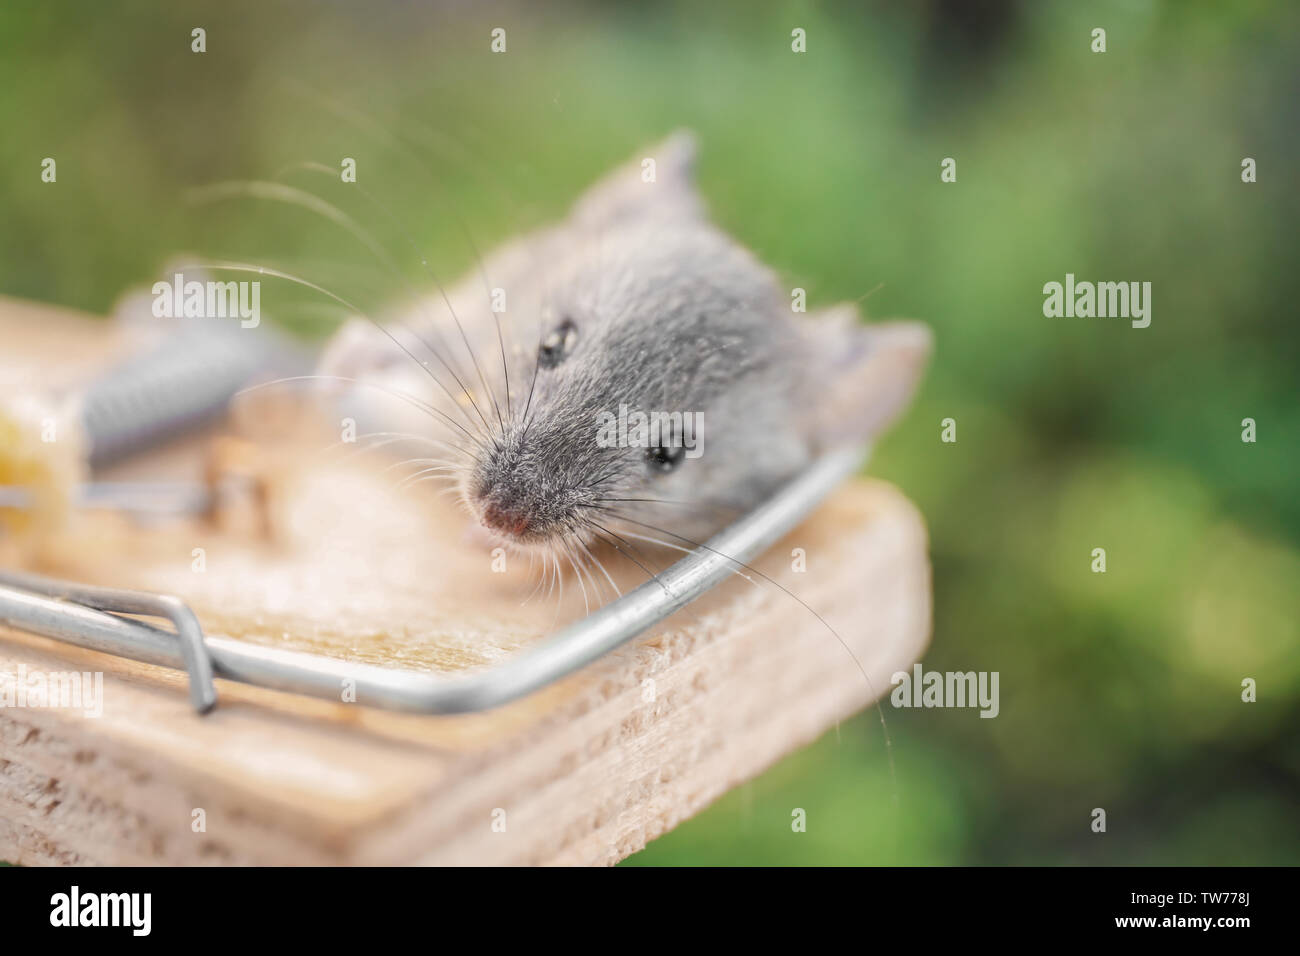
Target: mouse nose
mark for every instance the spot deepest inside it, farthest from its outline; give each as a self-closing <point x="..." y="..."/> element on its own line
<point x="505" y="519"/>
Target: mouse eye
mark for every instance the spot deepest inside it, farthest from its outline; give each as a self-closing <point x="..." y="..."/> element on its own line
<point x="664" y="459"/>
<point x="558" y="343"/>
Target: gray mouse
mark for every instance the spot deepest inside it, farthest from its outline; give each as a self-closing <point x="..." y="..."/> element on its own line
<point x="531" y="379"/>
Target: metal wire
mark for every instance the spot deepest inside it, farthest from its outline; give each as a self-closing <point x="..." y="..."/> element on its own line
<point x="91" y="617"/>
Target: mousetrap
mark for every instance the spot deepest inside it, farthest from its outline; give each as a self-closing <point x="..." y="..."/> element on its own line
<point x="379" y="697"/>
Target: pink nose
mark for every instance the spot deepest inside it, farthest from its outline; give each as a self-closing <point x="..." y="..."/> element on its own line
<point x="502" y="519"/>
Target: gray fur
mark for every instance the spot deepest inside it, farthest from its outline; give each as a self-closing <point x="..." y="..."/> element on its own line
<point x="670" y="315"/>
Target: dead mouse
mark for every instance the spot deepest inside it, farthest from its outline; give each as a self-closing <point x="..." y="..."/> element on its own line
<point x="631" y="371"/>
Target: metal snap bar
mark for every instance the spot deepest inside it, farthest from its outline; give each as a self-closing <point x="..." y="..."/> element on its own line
<point x="89" y="617"/>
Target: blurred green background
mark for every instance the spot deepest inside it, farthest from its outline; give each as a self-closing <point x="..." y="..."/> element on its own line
<point x="1119" y="690"/>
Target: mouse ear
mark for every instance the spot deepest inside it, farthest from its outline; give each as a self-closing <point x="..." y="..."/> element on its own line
<point x="863" y="375"/>
<point x="657" y="183"/>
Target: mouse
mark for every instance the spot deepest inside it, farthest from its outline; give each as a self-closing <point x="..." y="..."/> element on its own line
<point x="629" y="371"/>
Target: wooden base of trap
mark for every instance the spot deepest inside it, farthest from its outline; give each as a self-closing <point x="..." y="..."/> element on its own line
<point x="585" y="772"/>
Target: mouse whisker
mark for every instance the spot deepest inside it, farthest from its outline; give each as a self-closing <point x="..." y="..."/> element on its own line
<point x="289" y="277"/>
<point x="543" y="579"/>
<point x="291" y="195"/>
<point x="677" y="547"/>
<point x="391" y="438"/>
<point x="712" y="507"/>
<point x="541" y="576"/>
<point x="441" y="492"/>
<point x="600" y="565"/>
<point x="532" y="385"/>
<point x="339" y="451"/>
<point x="447" y="465"/>
<point x="609" y="539"/>
<point x="403" y="396"/>
<point x="445" y="462"/>
<point x="795" y="597"/>
<point x="628" y="544"/>
<point x="429" y="141"/>
<point x="279" y="192"/>
<point x="466" y="163"/>
<point x="424" y="263"/>
<point x="568" y="553"/>
<point x="427" y="474"/>
<point x="557" y="580"/>
<point x="442" y="464"/>
<point x="606" y="476"/>
<point x="592" y="565"/>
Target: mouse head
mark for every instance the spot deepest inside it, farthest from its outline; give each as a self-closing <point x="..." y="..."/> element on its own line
<point x="658" y="383"/>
